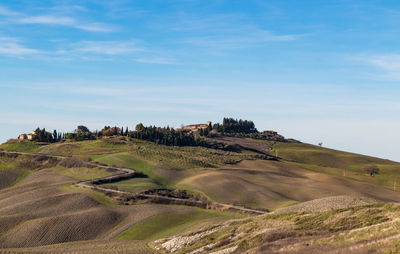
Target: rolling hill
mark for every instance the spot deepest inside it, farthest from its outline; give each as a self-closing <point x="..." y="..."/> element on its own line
<point x="43" y="210"/>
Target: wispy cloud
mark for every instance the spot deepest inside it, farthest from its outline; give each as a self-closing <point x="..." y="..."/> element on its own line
<point x="94" y="27"/>
<point x="185" y="22"/>
<point x="225" y="31"/>
<point x="155" y="60"/>
<point x="69" y="8"/>
<point x="54" y="19"/>
<point x="64" y="21"/>
<point x="7" y="12"/>
<point x="12" y="47"/>
<point x="86" y="50"/>
<point x="104" y="47"/>
<point x="101" y="91"/>
<point x="387" y="64"/>
<point x="390" y="62"/>
<point x="240" y="40"/>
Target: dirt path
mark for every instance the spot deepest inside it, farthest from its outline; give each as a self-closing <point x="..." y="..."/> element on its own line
<point x="129" y="173"/>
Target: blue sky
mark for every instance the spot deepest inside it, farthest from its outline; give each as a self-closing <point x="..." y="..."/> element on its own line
<point x="317" y="71"/>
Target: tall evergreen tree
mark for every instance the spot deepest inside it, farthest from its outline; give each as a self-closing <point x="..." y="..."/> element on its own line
<point x="55" y="136"/>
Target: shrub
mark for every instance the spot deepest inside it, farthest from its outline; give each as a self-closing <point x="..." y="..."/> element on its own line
<point x="372" y="170"/>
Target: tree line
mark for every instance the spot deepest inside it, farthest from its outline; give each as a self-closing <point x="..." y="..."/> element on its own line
<point x="165" y="136"/>
<point x="42" y="135"/>
<point x="230" y="125"/>
<point x="159" y="135"/>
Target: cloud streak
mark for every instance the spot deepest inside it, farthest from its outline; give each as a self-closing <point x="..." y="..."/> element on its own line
<point x="225" y="31"/>
<point x="64" y="21"/>
<point x="55" y="20"/>
<point x="12" y="47"/>
<point x="104" y="47"/>
<point x="389" y="64"/>
<point x="256" y="38"/>
<point x="7" y="12"/>
<point x="155" y="60"/>
<point x="240" y="37"/>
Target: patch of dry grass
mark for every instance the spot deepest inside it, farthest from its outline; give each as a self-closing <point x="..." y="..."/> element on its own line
<point x="360" y="229"/>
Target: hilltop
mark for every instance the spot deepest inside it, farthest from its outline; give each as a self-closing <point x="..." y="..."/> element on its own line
<point x="214" y="167"/>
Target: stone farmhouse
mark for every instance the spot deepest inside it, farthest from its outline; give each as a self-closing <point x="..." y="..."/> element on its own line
<point x="195" y="127"/>
<point x="27" y="136"/>
<point x="270" y="133"/>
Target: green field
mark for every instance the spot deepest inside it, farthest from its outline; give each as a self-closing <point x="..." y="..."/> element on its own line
<point x="12" y="171"/>
<point x="124" y="160"/>
<point x="83" y="173"/>
<point x="169" y="224"/>
<point x="98" y="196"/>
<point x="135" y="185"/>
<point x="338" y="163"/>
<point x="169" y="157"/>
<point x="25" y="146"/>
<point x="324" y="157"/>
<point x="129" y="161"/>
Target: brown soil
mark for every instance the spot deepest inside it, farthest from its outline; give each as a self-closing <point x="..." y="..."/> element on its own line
<point x="73" y="162"/>
<point x="37" y="212"/>
<point x="87" y="247"/>
<point x="7" y="178"/>
<point x="273" y="184"/>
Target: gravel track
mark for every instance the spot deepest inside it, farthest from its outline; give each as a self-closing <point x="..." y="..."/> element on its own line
<point x="126" y="173"/>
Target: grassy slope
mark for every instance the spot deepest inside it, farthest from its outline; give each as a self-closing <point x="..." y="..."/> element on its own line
<point x="338" y="163"/>
<point x="11" y="172"/>
<point x="305" y="172"/>
<point x="136" y="185"/>
<point x="130" y="161"/>
<point x="112" y="154"/>
<point x="362" y="229"/>
<point x="315" y="155"/>
<point x="83" y="173"/>
<point x="169" y="224"/>
<point x="95" y="195"/>
<point x="25" y="146"/>
<point x="47" y="200"/>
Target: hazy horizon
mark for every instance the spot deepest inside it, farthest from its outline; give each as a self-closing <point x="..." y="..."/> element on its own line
<point x="317" y="72"/>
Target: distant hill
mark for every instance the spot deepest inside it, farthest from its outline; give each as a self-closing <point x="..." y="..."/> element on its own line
<point x="39" y="195"/>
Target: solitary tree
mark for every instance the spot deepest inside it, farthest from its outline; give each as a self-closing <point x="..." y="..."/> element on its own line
<point x="55" y="136"/>
<point x="372" y="170"/>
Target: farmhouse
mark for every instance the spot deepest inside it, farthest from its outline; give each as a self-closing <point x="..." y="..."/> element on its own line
<point x="27" y="136"/>
<point x="195" y="127"/>
<point x="270" y="133"/>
